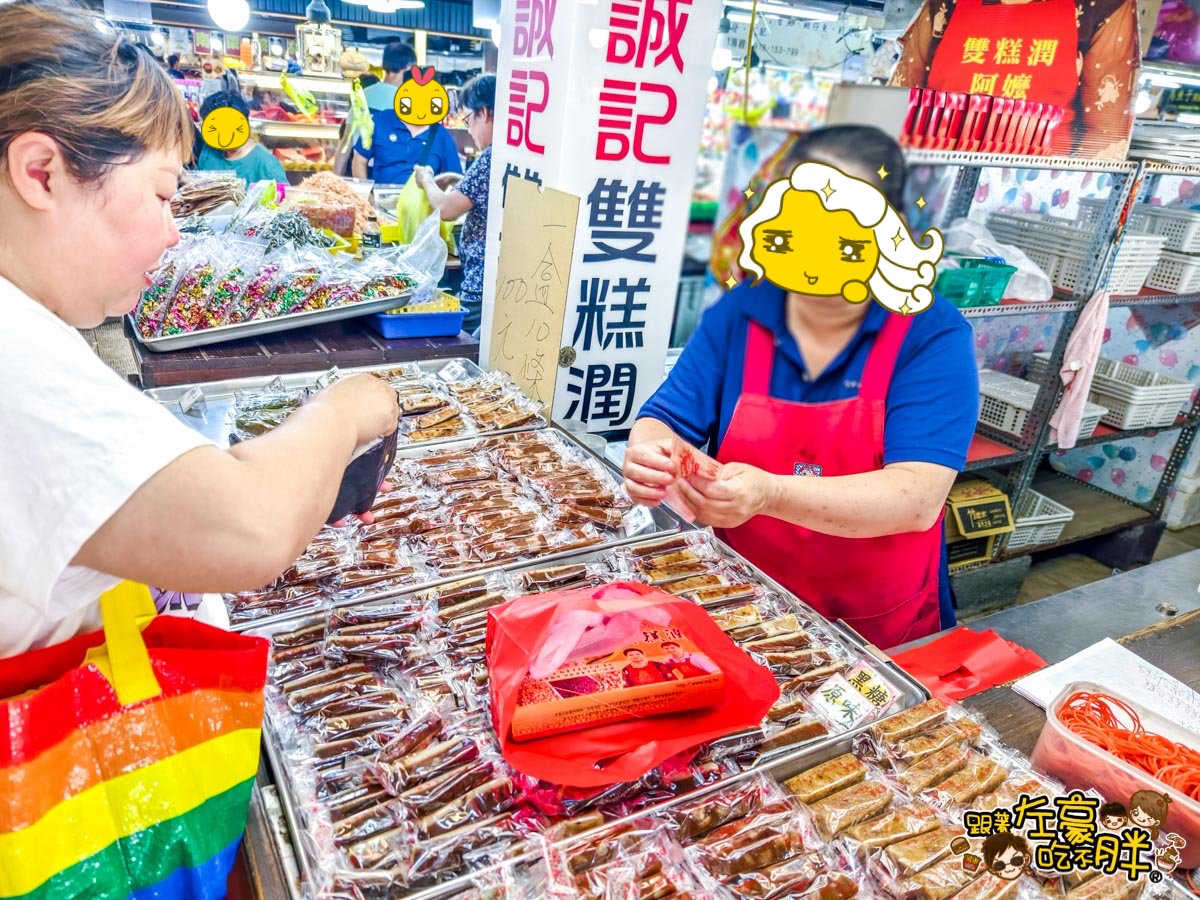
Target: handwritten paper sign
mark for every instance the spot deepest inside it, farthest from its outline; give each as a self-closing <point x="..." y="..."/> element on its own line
<point x="839" y="703"/>
<point x="531" y="286"/>
<point x="1109" y="664"/>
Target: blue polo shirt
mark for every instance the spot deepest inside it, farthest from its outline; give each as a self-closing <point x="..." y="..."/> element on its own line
<point x="932" y="405"/>
<point x="396" y="152"/>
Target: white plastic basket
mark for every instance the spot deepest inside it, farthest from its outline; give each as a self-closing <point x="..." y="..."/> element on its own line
<point x="1090" y="212"/>
<point x="1005" y="402"/>
<point x="1061" y="248"/>
<point x="1039" y="520"/>
<point x="1178" y="273"/>
<point x="1183" y="509"/>
<point x="1180" y="227"/>
<point x="1135" y="398"/>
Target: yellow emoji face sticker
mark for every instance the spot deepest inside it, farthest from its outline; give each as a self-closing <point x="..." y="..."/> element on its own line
<point x="823" y="233"/>
<point x="809" y="250"/>
<point x="225" y="128"/>
<point x="421" y="100"/>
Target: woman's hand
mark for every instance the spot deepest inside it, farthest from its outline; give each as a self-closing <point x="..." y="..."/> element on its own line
<point x="648" y="470"/>
<point x="424" y="176"/>
<point x="447" y="180"/>
<point x="368" y="403"/>
<point x="739" y="493"/>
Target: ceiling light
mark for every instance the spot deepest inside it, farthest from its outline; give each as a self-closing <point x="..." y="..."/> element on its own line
<point x="410" y="4"/>
<point x="229" y="15"/>
<point x="722" y="55"/>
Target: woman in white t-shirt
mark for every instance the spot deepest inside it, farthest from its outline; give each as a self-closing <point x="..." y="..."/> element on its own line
<point x="97" y="482"/>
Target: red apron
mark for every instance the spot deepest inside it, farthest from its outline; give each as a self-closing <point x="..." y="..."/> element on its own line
<point x="975" y="32"/>
<point x="884" y="587"/>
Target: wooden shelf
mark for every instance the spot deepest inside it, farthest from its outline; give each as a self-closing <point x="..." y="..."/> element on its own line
<point x="1096" y="513"/>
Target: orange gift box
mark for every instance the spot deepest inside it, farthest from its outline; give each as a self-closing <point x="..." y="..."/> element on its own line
<point x="662" y="673"/>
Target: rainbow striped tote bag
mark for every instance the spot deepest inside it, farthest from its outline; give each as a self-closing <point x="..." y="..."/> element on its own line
<point x="127" y="757"/>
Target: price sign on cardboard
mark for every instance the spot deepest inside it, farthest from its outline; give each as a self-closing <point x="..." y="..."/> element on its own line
<point x="531" y="286"/>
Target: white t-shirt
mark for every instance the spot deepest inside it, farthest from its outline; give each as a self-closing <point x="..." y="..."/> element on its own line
<point x="76" y="442"/>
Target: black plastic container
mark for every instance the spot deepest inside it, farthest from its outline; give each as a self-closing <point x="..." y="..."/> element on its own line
<point x="362" y="478"/>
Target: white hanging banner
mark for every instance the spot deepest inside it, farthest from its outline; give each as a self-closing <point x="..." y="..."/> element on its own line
<point x="605" y="101"/>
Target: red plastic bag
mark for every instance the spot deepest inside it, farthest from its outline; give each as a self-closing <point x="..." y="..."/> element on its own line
<point x="963" y="663"/>
<point x="531" y="638"/>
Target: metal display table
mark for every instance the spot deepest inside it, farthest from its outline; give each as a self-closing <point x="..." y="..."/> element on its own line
<point x="1125" y="608"/>
<point x="1122" y="607"/>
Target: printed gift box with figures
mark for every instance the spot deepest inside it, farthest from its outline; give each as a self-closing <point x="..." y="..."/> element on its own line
<point x="598" y="685"/>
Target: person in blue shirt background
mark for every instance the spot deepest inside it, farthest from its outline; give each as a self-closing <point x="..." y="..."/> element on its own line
<point x="398" y="147"/>
<point x="398" y="58"/>
<point x="881" y="407"/>
<point x="470" y="194"/>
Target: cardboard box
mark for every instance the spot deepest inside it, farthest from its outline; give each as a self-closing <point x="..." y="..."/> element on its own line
<point x="664" y="672"/>
<point x="977" y="509"/>
<point x="967" y="551"/>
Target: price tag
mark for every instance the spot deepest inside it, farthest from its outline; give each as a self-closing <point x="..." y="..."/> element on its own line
<point x="275" y="384"/>
<point x="193" y="403"/>
<point x="840" y="704"/>
<point x="328" y="378"/>
<point x="878" y="691"/>
<point x="453" y="372"/>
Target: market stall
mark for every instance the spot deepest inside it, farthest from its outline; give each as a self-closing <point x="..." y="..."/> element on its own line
<point x="866" y="808"/>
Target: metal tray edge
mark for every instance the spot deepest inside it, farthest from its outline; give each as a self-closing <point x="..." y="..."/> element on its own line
<point x="223" y="333"/>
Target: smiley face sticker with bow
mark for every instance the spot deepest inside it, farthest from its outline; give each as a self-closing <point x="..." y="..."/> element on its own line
<point x="421" y="100"/>
<point x="822" y="233"/>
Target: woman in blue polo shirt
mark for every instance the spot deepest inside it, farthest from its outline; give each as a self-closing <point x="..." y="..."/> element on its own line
<point x="397" y="148"/>
<point x="881" y="407"/>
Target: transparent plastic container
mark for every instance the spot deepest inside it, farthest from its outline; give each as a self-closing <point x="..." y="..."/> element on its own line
<point x="1078" y="763"/>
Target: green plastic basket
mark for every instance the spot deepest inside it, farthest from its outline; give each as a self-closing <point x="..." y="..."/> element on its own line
<point x="979" y="281"/>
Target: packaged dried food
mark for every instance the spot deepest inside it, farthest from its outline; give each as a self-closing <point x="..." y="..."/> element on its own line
<point x="934" y="768"/>
<point x="900" y="823"/>
<point x="837" y="812"/>
<point x="980" y="775"/>
<point x="912" y="721"/>
<point x="916" y="853"/>
<point x="827" y="778"/>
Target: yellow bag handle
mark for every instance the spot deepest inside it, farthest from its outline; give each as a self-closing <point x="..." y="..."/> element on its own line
<point x="123" y="658"/>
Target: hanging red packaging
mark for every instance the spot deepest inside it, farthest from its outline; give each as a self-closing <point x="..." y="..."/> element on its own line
<point x="599" y="685"/>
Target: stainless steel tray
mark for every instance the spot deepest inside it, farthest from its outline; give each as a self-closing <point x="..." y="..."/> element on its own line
<point x="661" y="522"/>
<point x="781" y="765"/>
<point x="206" y="336"/>
<point x="212" y="417"/>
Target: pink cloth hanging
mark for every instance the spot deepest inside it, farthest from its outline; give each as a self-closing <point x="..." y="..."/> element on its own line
<point x="1078" y="367"/>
